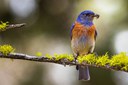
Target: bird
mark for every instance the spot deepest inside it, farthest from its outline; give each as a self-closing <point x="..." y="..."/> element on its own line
<point x="83" y="35"/>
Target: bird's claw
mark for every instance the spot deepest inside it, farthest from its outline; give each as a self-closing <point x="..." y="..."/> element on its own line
<point x="63" y="62"/>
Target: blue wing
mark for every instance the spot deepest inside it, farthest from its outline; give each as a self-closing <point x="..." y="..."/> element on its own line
<point x="71" y="30"/>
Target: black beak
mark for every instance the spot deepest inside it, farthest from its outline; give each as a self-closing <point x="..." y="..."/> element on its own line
<point x="97" y="16"/>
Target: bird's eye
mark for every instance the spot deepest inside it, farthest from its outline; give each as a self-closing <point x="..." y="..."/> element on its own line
<point x="87" y="14"/>
<point x="84" y="14"/>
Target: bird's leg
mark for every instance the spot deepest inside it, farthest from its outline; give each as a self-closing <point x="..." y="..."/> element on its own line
<point x="63" y="62"/>
<point x="77" y="67"/>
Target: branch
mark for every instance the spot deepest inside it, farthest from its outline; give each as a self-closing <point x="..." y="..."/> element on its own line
<point x="62" y="61"/>
<point x="15" y="26"/>
<point x="21" y="56"/>
<point x="5" y="26"/>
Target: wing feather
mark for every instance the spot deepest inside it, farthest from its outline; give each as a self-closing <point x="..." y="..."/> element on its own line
<point x="71" y="30"/>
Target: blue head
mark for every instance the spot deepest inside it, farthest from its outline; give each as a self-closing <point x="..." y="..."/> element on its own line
<point x="86" y="17"/>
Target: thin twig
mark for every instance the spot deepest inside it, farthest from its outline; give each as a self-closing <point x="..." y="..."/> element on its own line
<point x="21" y="56"/>
<point x="15" y="25"/>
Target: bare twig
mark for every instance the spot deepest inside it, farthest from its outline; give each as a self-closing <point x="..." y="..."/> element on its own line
<point x="53" y="60"/>
<point x="15" y="26"/>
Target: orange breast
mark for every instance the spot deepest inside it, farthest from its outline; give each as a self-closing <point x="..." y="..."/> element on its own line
<point x="91" y="31"/>
<point x="81" y="30"/>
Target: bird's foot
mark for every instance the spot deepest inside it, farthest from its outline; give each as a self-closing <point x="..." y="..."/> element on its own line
<point x="63" y="62"/>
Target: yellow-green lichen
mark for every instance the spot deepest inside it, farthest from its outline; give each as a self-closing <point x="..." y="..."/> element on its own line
<point x="125" y="68"/>
<point x="38" y="54"/>
<point x="90" y="59"/>
<point x="49" y="56"/>
<point x="64" y="56"/>
<point x="70" y="57"/>
<point x="102" y="60"/>
<point x="120" y="61"/>
<point x="6" y="49"/>
<point x="3" y="26"/>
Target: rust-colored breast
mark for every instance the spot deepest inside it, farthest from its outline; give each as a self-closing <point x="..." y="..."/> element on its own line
<point x="81" y="30"/>
<point x="78" y="30"/>
<point x="91" y="31"/>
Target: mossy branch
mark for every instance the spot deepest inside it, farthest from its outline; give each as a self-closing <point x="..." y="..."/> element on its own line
<point x="118" y="62"/>
<point x="5" y="26"/>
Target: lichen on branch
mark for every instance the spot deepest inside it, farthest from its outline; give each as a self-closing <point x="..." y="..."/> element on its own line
<point x="5" y="25"/>
<point x="6" y="49"/>
<point x="117" y="62"/>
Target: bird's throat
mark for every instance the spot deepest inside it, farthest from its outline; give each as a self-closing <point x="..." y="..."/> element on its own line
<point x="87" y="23"/>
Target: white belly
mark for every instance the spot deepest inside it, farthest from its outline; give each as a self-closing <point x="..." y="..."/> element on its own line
<point x="82" y="45"/>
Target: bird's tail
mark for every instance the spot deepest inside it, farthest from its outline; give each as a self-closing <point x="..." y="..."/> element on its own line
<point x="84" y="73"/>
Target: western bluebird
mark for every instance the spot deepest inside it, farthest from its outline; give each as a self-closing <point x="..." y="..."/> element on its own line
<point x="83" y="36"/>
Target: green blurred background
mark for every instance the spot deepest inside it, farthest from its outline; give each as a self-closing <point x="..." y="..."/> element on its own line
<point x="47" y="31"/>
